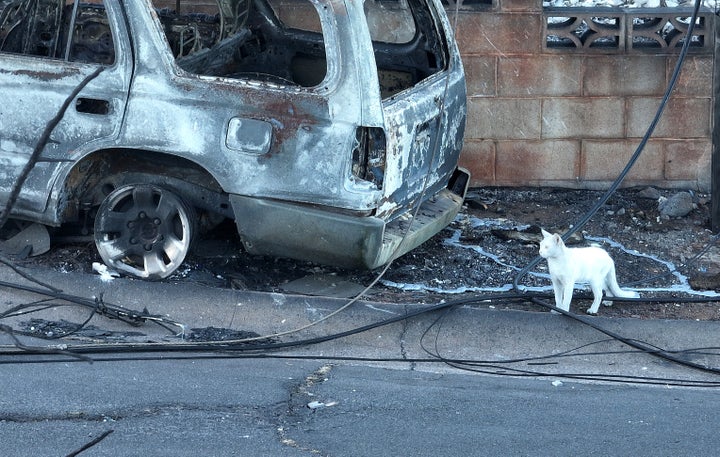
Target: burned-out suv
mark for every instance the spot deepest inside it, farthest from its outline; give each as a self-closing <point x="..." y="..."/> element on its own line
<point x="328" y="130"/>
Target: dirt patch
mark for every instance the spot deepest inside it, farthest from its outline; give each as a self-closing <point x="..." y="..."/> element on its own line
<point x="484" y="249"/>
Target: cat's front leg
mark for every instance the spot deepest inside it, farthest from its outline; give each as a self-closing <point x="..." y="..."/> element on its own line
<point x="567" y="292"/>
<point x="558" y="289"/>
<point x="597" y="298"/>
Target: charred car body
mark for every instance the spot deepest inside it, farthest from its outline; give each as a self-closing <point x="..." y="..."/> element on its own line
<point x="321" y="127"/>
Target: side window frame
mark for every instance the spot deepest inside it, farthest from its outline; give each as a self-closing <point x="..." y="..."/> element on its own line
<point x="55" y="35"/>
<point x="260" y="48"/>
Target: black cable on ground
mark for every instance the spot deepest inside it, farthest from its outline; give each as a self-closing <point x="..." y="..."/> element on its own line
<point x="41" y="350"/>
<point x="460" y="364"/>
<point x="245" y="347"/>
<point x="90" y="444"/>
<point x="503" y="371"/>
<point x="98" y="305"/>
<point x="27" y="276"/>
<point x="229" y="349"/>
<point x="640" y="348"/>
<point x="651" y="350"/>
<point x="224" y="350"/>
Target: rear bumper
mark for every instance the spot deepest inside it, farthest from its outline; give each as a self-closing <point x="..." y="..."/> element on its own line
<point x="282" y="229"/>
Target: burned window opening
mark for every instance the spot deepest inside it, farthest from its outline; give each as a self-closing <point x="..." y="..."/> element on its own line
<point x="92" y="40"/>
<point x="30" y="27"/>
<point x="41" y="28"/>
<point x="245" y="40"/>
<point x="404" y="61"/>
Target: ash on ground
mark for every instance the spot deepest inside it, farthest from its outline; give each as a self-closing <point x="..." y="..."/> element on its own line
<point x="495" y="236"/>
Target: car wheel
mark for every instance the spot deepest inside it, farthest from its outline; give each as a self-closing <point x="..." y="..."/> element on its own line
<point x="144" y="231"/>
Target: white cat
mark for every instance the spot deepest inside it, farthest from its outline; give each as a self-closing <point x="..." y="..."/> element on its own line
<point x="571" y="265"/>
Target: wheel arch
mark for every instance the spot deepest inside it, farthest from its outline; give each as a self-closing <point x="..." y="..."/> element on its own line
<point x="94" y="176"/>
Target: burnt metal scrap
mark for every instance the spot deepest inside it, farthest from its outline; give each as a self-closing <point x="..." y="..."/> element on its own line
<point x="177" y="115"/>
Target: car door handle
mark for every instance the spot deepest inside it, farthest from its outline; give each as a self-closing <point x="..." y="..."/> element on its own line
<point x="92" y="105"/>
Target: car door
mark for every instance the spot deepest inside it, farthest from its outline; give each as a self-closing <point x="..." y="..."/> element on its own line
<point x="47" y="48"/>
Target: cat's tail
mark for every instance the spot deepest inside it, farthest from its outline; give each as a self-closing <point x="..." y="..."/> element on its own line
<point x="615" y="289"/>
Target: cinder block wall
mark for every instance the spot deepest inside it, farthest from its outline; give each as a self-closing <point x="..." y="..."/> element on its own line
<point x="572" y="118"/>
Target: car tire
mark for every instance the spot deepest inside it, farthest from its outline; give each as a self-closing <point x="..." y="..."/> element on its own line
<point x="144" y="231"/>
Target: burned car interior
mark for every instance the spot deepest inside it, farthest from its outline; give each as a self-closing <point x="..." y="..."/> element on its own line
<point x="265" y="40"/>
<point x="283" y="42"/>
<point x="251" y="43"/>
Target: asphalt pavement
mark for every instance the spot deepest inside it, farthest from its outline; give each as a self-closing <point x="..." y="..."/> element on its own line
<point x="472" y="379"/>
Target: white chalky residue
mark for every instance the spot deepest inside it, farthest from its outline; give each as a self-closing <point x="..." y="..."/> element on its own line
<point x="454" y="240"/>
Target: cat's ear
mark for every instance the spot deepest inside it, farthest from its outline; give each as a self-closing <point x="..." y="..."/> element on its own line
<point x="557" y="239"/>
<point x="545" y="234"/>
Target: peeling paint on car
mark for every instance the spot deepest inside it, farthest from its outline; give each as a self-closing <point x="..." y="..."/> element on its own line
<point x="313" y="124"/>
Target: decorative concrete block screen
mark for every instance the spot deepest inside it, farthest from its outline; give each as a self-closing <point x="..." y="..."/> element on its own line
<point x="625" y="29"/>
<point x="562" y="96"/>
